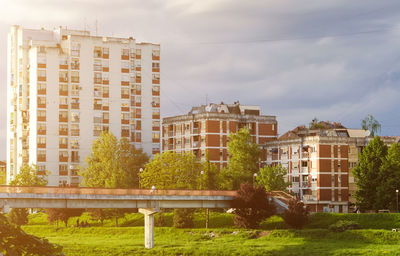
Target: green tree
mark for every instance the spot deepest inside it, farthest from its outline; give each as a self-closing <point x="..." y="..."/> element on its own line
<point x="371" y="124"/>
<point x="316" y="124"/>
<point x="14" y="241"/>
<point x="273" y="178"/>
<point x="243" y="160"/>
<point x="367" y="173"/>
<point x="27" y="177"/>
<point x="171" y="170"/>
<point x="62" y="214"/>
<point x="389" y="177"/>
<point x="112" y="164"/>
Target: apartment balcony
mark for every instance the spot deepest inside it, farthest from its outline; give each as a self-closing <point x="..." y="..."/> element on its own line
<point x="63" y="92"/>
<point x="63" y="79"/>
<point x="75" y="159"/>
<point x="41" y="145"/>
<point x="74" y="132"/>
<point x="125" y="83"/>
<point x="106" y="69"/>
<point x="63" y="119"/>
<point x="155" y="116"/>
<point x="63" y="173"/>
<point x="170" y="134"/>
<point x="156" y="81"/>
<point x="41" y="92"/>
<point x="155" y="69"/>
<point x="74" y="105"/>
<point x="196" y="144"/>
<point x="97" y="106"/>
<point x="75" y="66"/>
<point x="97" y="133"/>
<point x="98" y="80"/>
<point x="125" y="109"/>
<point x="304" y="169"/>
<point x="63" y="132"/>
<point x="124" y="70"/>
<point x="305" y="155"/>
<point x="106" y="121"/>
<point x="41" y="131"/>
<point x="155" y="93"/>
<point x="125" y="133"/>
<point x="75" y="79"/>
<point x="124" y="96"/>
<point x="63" y="146"/>
<point x="63" y="106"/>
<point x="63" y="158"/>
<point x="41" y="65"/>
<point x="41" y="78"/>
<point x="196" y="130"/>
<point x="106" y="56"/>
<point x="138" y="92"/>
<point x="63" y="66"/>
<point x="138" y="57"/>
<point x="138" y="68"/>
<point x="106" y="108"/>
<point x="138" y="80"/>
<point x="124" y="57"/>
<point x="154" y="57"/>
<point x="41" y="119"/>
<point x="124" y="121"/>
<point x="106" y="95"/>
<point x="155" y="140"/>
<point x="41" y="158"/>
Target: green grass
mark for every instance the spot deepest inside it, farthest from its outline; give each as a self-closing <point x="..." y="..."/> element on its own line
<point x="273" y="238"/>
<point x="170" y="241"/>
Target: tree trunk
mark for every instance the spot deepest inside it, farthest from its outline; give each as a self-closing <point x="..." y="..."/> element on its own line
<point x="116" y="221"/>
<point x="207" y="217"/>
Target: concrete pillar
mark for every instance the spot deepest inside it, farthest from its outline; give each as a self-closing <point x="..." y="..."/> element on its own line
<point x="148" y="226"/>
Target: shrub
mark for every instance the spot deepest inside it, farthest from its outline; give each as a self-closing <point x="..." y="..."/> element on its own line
<point x="297" y="214"/>
<point x="251" y="205"/>
<point x="159" y="220"/>
<point x="343" y="225"/>
<point x="19" y="216"/>
<point x="183" y="218"/>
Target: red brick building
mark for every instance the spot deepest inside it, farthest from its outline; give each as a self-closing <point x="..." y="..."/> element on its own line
<point x="206" y="128"/>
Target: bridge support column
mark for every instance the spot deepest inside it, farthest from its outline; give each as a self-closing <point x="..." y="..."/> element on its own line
<point x="148" y="226"/>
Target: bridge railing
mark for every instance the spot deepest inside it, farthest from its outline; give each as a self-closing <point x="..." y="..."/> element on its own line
<point x="112" y="191"/>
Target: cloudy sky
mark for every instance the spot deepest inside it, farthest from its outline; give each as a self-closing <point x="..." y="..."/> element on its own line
<point x="337" y="60"/>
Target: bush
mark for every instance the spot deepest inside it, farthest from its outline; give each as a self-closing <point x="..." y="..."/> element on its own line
<point x="183" y="218"/>
<point x="251" y="205"/>
<point x="297" y="214"/>
<point x="19" y="216"/>
<point x="343" y="225"/>
<point x="159" y="220"/>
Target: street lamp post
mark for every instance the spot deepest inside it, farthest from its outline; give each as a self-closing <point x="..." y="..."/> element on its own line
<point x="140" y="172"/>
<point x="201" y="178"/>
<point x="397" y="200"/>
<point x="254" y="179"/>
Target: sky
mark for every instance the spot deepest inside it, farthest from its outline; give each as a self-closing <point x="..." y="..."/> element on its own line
<point x="336" y="60"/>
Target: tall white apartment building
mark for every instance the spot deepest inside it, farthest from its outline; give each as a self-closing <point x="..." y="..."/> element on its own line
<point x="65" y="87"/>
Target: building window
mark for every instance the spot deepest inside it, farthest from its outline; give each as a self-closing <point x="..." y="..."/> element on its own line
<point x="97" y="65"/>
<point x="75" y="48"/>
<point x="155" y="135"/>
<point x="75" y="63"/>
<point x="155" y="124"/>
<point x="75" y="117"/>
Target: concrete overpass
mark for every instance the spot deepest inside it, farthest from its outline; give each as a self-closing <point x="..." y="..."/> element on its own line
<point x="147" y="201"/>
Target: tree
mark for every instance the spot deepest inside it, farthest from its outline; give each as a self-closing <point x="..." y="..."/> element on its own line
<point x="273" y="178"/>
<point x="19" y="216"/>
<point x="27" y="177"/>
<point x="62" y="214"/>
<point x="297" y="214"/>
<point x="367" y="173"/>
<point x="251" y="205"/>
<point x="371" y="124"/>
<point x="14" y="241"/>
<point x="389" y="177"/>
<point x="171" y="170"/>
<point x="316" y="124"/>
<point x="243" y="161"/>
<point x="113" y="163"/>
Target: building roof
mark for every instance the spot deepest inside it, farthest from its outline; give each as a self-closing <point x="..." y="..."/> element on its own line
<point x="234" y="108"/>
<point x="3" y="163"/>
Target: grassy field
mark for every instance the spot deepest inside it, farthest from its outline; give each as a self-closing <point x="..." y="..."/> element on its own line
<point x="170" y="241"/>
<point x="273" y="238"/>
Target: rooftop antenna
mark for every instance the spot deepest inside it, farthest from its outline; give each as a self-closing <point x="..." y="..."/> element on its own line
<point x="96" y="26"/>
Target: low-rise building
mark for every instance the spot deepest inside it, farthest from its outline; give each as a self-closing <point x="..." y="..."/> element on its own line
<point x="319" y="163"/>
<point x="206" y="128"/>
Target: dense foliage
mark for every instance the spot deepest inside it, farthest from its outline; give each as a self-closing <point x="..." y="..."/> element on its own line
<point x="371" y="124"/>
<point x="378" y="176"/>
<point x="62" y="214"/>
<point x="27" y="176"/>
<point x="273" y="178"/>
<point x="113" y="163"/>
<point x="297" y="214"/>
<point x="251" y="205"/>
<point x="19" y="216"/>
<point x="343" y="225"/>
<point x="15" y="242"/>
<point x="243" y="162"/>
<point x="183" y="218"/>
